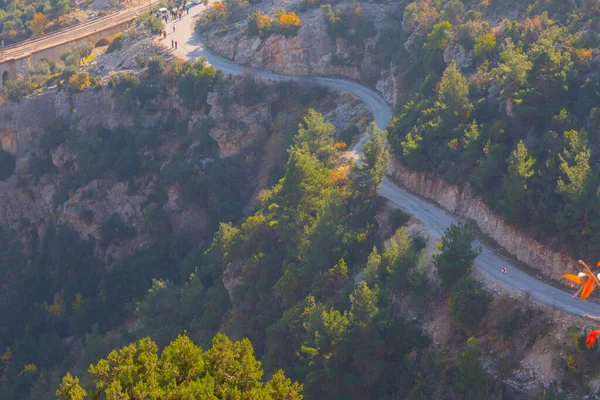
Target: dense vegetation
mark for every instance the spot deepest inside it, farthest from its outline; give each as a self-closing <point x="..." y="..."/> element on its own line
<point x="260" y="23"/>
<point x="297" y="300"/>
<point x="305" y="276"/>
<point x="19" y="20"/>
<point x="65" y="74"/>
<point x="519" y="122"/>
<point x="291" y="267"/>
<point x="219" y="14"/>
<point x="183" y="370"/>
<point x="57" y="288"/>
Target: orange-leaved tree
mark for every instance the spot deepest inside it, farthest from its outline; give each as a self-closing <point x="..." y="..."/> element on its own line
<point x="289" y="22"/>
<point x="587" y="282"/>
<point x="259" y="23"/>
<point x="79" y="81"/>
<point x="38" y="24"/>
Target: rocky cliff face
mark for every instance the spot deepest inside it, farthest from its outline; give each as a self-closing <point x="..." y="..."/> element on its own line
<point x="460" y="201"/>
<point x="311" y="52"/>
<point x="27" y="208"/>
<point x="27" y="204"/>
<point x="238" y="126"/>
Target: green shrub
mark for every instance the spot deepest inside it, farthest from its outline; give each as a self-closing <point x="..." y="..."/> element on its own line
<point x="79" y="82"/>
<point x="54" y="134"/>
<point x="150" y="22"/>
<point x="75" y="53"/>
<point x="509" y="323"/>
<point x="340" y="23"/>
<point x="484" y="45"/>
<point x="67" y="73"/>
<point x="398" y="218"/>
<point x="7" y="165"/>
<point x="130" y="92"/>
<point x="116" y="42"/>
<point x="16" y="89"/>
<point x="197" y="81"/>
<point x="140" y="60"/>
<point x="110" y="153"/>
<point x="155" y="66"/>
<point x="468" y="303"/>
<point x="259" y="23"/>
<point x="470" y="378"/>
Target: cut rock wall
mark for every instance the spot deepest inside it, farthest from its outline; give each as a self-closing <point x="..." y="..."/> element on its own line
<point x="460" y="201"/>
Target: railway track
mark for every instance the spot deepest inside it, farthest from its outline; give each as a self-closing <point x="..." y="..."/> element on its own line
<point x="68" y="34"/>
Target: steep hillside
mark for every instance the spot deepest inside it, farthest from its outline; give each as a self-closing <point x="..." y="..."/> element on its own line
<point x="110" y="186"/>
<point x="141" y="195"/>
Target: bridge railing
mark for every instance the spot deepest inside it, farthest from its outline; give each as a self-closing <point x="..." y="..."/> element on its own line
<point x="56" y="32"/>
<point x="60" y="31"/>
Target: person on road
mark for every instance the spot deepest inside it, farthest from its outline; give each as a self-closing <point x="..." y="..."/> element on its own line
<point x="172" y="45"/>
<point x="173" y="26"/>
<point x="187" y="9"/>
<point x="165" y="33"/>
<point x="176" y="45"/>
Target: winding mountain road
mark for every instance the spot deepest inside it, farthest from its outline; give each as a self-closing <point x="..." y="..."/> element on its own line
<point x="434" y="219"/>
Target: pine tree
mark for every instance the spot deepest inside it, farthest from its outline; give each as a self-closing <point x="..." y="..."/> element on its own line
<point x="578" y="185"/>
<point x="363" y="304"/>
<point x="456" y="255"/>
<point x="70" y="389"/>
<point x="371" y="271"/>
<point x="226" y="370"/>
<point x="316" y="134"/>
<point x="470" y="378"/>
<point x="511" y="74"/>
<point x="453" y="95"/>
<point x="366" y="176"/>
<point x="517" y="197"/>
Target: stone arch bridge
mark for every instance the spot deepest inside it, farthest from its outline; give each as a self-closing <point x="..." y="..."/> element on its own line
<point x="17" y="59"/>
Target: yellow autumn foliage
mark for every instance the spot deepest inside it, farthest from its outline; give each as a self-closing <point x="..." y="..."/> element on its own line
<point x="340" y="174"/>
<point x="79" y="81"/>
<point x="55" y="308"/>
<point x="290" y="20"/>
<point x="216" y="12"/>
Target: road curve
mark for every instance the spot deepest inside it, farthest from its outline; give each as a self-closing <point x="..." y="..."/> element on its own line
<point x="434" y="219"/>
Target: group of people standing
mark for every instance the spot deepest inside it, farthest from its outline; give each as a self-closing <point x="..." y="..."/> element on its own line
<point x="175" y="12"/>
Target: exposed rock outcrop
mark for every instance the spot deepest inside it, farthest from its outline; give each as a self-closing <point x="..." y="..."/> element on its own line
<point x="387" y="85"/>
<point x="312" y="51"/>
<point x="460" y="201"/>
<point x="22" y="123"/>
<point x="238" y="126"/>
<point x="457" y="53"/>
<point x="237" y="121"/>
